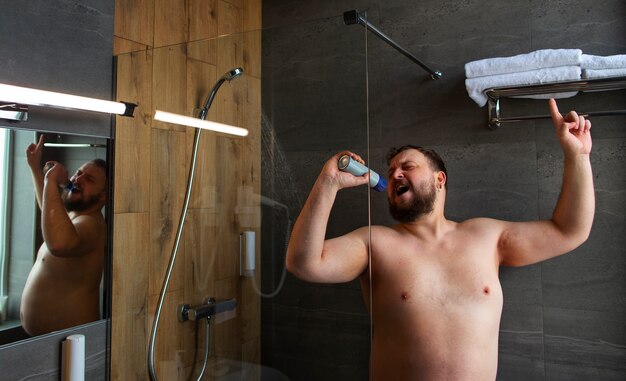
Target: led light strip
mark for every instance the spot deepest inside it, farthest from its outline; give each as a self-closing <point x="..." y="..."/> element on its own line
<point x="74" y="145"/>
<point x="199" y="123"/>
<point x="34" y="97"/>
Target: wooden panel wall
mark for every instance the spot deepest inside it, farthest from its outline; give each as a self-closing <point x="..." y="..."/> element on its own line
<point x="170" y="53"/>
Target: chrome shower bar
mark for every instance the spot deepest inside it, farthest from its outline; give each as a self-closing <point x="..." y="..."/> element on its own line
<point x="353" y="17"/>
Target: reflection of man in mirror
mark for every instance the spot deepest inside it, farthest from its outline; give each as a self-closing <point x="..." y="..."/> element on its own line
<point x="63" y="287"/>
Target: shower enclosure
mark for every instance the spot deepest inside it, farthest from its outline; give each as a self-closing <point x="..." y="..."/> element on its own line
<point x="301" y="104"/>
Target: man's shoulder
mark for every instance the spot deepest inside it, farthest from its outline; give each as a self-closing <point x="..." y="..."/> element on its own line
<point x="481" y="225"/>
<point x="392" y="232"/>
<point x="384" y="229"/>
<point x="379" y="231"/>
<point x="92" y="218"/>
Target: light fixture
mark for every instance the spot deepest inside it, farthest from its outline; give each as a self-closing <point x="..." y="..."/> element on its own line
<point x="74" y="145"/>
<point x="13" y="99"/>
<point x="12" y="111"/>
<point x="168" y="117"/>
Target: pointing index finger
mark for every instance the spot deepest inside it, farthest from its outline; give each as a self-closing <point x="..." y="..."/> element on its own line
<point x="557" y="118"/>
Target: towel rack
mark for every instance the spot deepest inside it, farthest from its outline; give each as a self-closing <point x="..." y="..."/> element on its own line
<point x="597" y="84"/>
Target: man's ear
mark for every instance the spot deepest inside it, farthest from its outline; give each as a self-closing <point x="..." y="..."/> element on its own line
<point x="442" y="179"/>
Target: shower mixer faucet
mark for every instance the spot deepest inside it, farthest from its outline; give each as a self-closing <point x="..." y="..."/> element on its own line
<point x="209" y="309"/>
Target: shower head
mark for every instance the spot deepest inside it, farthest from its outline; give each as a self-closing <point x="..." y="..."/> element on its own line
<point x="236" y="72"/>
<point x="228" y="76"/>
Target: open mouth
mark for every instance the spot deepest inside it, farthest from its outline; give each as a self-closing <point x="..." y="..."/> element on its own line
<point x="401" y="189"/>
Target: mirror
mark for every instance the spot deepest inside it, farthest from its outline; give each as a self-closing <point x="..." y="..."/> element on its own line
<point x="20" y="221"/>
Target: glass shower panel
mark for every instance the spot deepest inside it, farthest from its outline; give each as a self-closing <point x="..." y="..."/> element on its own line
<point x="153" y="161"/>
<point x="313" y="106"/>
<point x="403" y="96"/>
<point x="302" y="98"/>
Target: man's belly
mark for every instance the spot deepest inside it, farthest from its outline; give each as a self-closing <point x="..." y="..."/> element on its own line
<point x="40" y="315"/>
<point x="434" y="336"/>
<point x="50" y="304"/>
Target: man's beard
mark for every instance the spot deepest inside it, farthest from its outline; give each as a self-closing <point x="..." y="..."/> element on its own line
<point x="423" y="203"/>
<point x="81" y="204"/>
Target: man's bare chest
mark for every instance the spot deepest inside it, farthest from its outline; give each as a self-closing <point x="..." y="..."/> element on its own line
<point x="435" y="276"/>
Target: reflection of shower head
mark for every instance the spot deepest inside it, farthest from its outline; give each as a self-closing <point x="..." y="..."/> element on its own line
<point x="273" y="204"/>
<point x="229" y="76"/>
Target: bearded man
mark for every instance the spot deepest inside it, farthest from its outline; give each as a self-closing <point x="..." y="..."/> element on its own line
<point x="63" y="287"/>
<point x="436" y="296"/>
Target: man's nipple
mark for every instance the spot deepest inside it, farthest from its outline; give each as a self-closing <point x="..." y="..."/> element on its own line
<point x="486" y="290"/>
<point x="405" y="296"/>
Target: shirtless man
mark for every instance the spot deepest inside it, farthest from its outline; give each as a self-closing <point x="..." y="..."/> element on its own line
<point x="63" y="287"/>
<point x="436" y="296"/>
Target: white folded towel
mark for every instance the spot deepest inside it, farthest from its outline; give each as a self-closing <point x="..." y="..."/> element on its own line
<point x="476" y="86"/>
<point x="604" y="73"/>
<point x="588" y="61"/>
<point x="538" y="59"/>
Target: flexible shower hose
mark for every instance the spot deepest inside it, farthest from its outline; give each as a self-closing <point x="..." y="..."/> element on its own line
<point x="168" y="275"/>
<point x="207" y="344"/>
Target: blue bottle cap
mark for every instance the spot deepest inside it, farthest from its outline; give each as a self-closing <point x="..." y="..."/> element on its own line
<point x="382" y="184"/>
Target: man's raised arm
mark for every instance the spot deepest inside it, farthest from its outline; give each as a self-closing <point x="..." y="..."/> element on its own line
<point x="63" y="236"/>
<point x="309" y="256"/>
<point x="570" y="225"/>
<point x="33" y="158"/>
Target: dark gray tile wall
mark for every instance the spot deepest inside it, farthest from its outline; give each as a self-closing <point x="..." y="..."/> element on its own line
<point x="63" y="46"/>
<point x="562" y="319"/>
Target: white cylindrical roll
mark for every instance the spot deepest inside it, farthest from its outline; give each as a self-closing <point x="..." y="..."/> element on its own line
<point x="73" y="358"/>
<point x="249" y="251"/>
